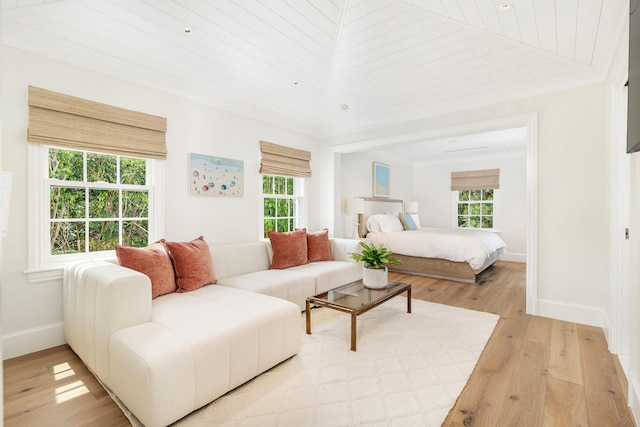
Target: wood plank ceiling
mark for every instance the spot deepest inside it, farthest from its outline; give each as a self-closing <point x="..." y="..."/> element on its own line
<point x="296" y="62"/>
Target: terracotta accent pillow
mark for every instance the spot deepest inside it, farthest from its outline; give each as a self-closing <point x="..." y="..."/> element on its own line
<point x="318" y="248"/>
<point x="153" y="261"/>
<point x="192" y="264"/>
<point x="289" y="248"/>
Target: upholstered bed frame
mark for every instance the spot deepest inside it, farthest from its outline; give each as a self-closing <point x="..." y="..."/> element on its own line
<point x="430" y="267"/>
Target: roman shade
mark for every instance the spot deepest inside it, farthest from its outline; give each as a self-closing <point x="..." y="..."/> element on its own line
<point x="280" y="160"/>
<point x="76" y="123"/>
<point x="475" y="180"/>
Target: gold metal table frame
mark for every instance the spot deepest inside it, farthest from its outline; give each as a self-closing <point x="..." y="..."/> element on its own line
<point x="355" y="298"/>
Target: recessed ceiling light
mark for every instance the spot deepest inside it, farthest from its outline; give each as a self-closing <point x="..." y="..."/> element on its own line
<point x="505" y="6"/>
<point x="344" y="107"/>
<point x="187" y="30"/>
<point x="296" y="83"/>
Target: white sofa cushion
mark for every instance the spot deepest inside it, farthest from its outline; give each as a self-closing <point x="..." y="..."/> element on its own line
<point x="238" y="259"/>
<point x="329" y="274"/>
<point x="294" y="286"/>
<point x="198" y="346"/>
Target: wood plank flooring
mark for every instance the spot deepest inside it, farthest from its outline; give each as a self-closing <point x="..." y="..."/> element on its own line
<point x="534" y="371"/>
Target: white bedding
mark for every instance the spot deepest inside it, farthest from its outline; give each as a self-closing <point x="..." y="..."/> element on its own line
<point x="472" y="246"/>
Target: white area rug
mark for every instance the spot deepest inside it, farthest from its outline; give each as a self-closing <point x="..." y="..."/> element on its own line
<point x="408" y="371"/>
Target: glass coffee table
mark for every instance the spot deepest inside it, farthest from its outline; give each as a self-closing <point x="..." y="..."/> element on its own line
<point x="355" y="298"/>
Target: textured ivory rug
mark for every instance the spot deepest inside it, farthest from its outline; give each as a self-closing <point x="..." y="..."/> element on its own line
<point x="409" y="370"/>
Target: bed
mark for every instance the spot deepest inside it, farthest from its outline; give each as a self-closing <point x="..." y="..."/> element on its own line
<point x="452" y="254"/>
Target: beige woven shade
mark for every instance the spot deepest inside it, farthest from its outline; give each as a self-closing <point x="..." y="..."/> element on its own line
<point x="475" y="180"/>
<point x="280" y="160"/>
<point x="76" y="123"/>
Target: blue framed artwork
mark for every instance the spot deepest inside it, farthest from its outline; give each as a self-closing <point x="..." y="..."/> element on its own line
<point x="213" y="176"/>
<point x="381" y="174"/>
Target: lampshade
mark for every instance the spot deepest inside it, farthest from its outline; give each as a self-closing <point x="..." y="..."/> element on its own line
<point x="355" y="205"/>
<point x="411" y="207"/>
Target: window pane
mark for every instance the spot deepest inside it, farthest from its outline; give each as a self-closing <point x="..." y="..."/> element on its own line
<point x="290" y="186"/>
<point x="133" y="171"/>
<point x="269" y="225"/>
<point x="103" y="203"/>
<point x="475" y="194"/>
<point x="103" y="235"/>
<point x="135" y="204"/>
<point x="463" y="209"/>
<point x="269" y="207"/>
<point x="135" y="233"/>
<point x="283" y="225"/>
<point x="487" y="209"/>
<point x="463" y="221"/>
<point x="487" y="194"/>
<point x="267" y="184"/>
<point x="279" y="184"/>
<point x="283" y="207"/>
<point x="474" y="222"/>
<point x="463" y="196"/>
<point x="67" y="202"/>
<point x="65" y="164"/>
<point x="101" y="167"/>
<point x="487" y="222"/>
<point x="67" y="237"/>
<point x="475" y="208"/>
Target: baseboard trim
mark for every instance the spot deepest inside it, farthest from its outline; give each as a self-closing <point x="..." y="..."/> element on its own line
<point x="575" y="313"/>
<point x="513" y="257"/>
<point x="27" y="341"/>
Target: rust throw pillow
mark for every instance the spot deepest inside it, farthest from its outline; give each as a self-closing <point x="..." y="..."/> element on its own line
<point x="153" y="261"/>
<point x="289" y="248"/>
<point x="192" y="264"/>
<point x="318" y="248"/>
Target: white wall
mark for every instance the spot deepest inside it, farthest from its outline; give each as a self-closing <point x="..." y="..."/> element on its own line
<point x="355" y="180"/>
<point x="432" y="189"/>
<point x="32" y="312"/>
<point x="633" y="374"/>
<point x="572" y="179"/>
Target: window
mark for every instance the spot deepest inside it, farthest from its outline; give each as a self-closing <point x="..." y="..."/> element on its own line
<point x="475" y="208"/>
<point x="282" y="203"/>
<point x="96" y="201"/>
<point x="82" y="204"/>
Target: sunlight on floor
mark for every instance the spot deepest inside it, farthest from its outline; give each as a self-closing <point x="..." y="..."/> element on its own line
<point x="62" y="371"/>
<point x="69" y="391"/>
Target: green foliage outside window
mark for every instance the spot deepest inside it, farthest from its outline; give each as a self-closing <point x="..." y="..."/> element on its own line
<point x="280" y="203"/>
<point x="475" y="208"/>
<point x="89" y="200"/>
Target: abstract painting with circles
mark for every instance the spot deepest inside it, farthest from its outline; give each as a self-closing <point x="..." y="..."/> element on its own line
<point x="214" y="176"/>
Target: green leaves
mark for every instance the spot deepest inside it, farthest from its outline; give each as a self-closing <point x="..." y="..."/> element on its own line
<point x="94" y="206"/>
<point x="374" y="256"/>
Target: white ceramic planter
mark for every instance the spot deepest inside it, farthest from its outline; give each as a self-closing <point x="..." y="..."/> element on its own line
<point x="375" y="278"/>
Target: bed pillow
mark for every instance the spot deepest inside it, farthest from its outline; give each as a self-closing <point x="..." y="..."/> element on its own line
<point x="372" y="224"/>
<point x="192" y="264"/>
<point x="153" y="261"/>
<point x="407" y="221"/>
<point x="289" y="248"/>
<point x="416" y="220"/>
<point x="389" y="223"/>
<point x="318" y="248"/>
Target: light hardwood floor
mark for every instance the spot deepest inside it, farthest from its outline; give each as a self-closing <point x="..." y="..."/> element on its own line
<point x="534" y="371"/>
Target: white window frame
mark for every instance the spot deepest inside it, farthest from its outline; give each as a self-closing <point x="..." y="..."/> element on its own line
<point x="299" y="196"/>
<point x="43" y="266"/>
<point x="496" y="205"/>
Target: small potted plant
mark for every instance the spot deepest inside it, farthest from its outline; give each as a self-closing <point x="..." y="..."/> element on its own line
<point x="375" y="258"/>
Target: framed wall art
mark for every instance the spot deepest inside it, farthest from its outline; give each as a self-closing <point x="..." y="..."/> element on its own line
<point x="381" y="174"/>
<point x="213" y="176"/>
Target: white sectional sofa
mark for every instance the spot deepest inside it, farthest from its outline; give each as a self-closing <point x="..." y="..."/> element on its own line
<point x="168" y="356"/>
